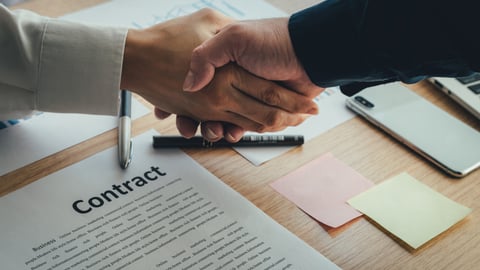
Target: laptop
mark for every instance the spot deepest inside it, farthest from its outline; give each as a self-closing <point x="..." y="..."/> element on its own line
<point x="464" y="90"/>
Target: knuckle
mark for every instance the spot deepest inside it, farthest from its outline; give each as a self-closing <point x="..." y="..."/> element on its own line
<point x="197" y="52"/>
<point x="298" y="121"/>
<point x="270" y="95"/>
<point x="235" y="28"/>
<point x="207" y="13"/>
<point x="260" y="128"/>
<point x="213" y="16"/>
<point x="273" y="119"/>
<point x="237" y="32"/>
<point x="302" y="104"/>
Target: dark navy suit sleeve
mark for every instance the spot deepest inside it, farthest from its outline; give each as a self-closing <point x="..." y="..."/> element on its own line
<point x="348" y="42"/>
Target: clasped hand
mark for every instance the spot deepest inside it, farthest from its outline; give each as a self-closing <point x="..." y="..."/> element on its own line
<point x="232" y="98"/>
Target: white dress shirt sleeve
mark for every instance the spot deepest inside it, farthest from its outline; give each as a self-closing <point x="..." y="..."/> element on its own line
<point x="58" y="66"/>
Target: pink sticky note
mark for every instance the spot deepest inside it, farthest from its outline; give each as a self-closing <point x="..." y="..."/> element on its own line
<point x="321" y="189"/>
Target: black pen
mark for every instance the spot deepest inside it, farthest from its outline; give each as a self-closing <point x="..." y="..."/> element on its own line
<point x="124" y="129"/>
<point x="247" y="140"/>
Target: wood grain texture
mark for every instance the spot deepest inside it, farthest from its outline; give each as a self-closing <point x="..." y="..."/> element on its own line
<point x="361" y="244"/>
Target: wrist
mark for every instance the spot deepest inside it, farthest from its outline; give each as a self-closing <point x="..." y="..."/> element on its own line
<point x="130" y="60"/>
<point x="149" y="62"/>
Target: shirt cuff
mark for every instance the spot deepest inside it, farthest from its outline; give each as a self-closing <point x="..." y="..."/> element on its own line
<point x="80" y="68"/>
<point x="324" y="41"/>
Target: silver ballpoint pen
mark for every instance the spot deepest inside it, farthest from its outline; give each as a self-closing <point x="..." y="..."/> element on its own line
<point x="124" y="129"/>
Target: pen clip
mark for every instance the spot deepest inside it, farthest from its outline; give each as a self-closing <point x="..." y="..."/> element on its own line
<point x="129" y="155"/>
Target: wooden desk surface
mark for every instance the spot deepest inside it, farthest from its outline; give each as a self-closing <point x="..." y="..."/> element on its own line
<point x="358" y="245"/>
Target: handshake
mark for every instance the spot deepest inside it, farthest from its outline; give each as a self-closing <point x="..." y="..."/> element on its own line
<point x="225" y="76"/>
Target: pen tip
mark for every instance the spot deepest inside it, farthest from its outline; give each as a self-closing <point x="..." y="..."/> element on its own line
<point x="125" y="164"/>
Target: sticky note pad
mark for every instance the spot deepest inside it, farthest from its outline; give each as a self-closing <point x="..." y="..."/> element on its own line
<point x="322" y="187"/>
<point x="409" y="209"/>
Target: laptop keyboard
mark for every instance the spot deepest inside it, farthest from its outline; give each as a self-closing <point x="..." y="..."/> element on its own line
<point x="472" y="82"/>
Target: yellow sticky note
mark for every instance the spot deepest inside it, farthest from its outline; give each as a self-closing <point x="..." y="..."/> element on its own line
<point x="409" y="209"/>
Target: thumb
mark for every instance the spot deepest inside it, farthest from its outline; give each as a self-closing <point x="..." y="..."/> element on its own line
<point x="213" y="53"/>
<point x="201" y="72"/>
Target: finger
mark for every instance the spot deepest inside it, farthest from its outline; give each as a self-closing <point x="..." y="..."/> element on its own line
<point x="186" y="126"/>
<point x="274" y="94"/>
<point x="259" y="109"/>
<point x="232" y="133"/>
<point x="212" y="130"/>
<point x="245" y="123"/>
<point x="251" y="114"/>
<point x="213" y="53"/>
<point x="160" y="114"/>
<point x="215" y="130"/>
<point x="304" y="86"/>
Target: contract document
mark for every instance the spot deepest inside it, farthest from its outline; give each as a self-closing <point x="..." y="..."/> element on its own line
<point x="164" y="212"/>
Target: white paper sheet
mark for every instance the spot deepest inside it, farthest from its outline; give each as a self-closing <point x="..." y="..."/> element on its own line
<point x="164" y="212"/>
<point x="144" y="13"/>
<point x="332" y="113"/>
<point x="47" y="133"/>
